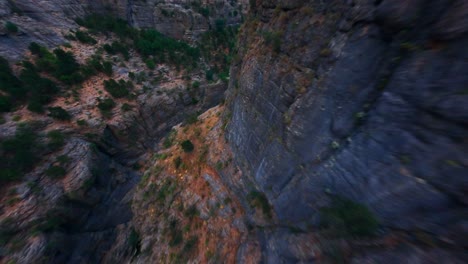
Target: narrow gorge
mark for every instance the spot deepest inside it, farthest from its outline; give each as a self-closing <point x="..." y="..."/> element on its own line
<point x="233" y="131"/>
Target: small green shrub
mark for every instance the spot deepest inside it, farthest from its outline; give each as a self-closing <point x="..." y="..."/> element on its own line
<point x="56" y="172"/>
<point x="85" y="38"/>
<point x="106" y="106"/>
<point x="117" y="47"/>
<point x="5" y="104"/>
<point x="107" y="68"/>
<point x="51" y="222"/>
<point x="349" y="218"/>
<point x="117" y="89"/>
<point x="169" y="140"/>
<point x="150" y="64"/>
<point x="56" y="139"/>
<point x="81" y="122"/>
<point x="176" y="235"/>
<point x="191" y="212"/>
<point x="59" y="113"/>
<point x="177" y="162"/>
<point x="187" y="146"/>
<point x="259" y="200"/>
<point x="126" y="107"/>
<point x="191" y="119"/>
<point x="196" y="85"/>
<point x="209" y="75"/>
<point x="134" y="241"/>
<point x="274" y="40"/>
<point x="11" y="27"/>
<point x="63" y="159"/>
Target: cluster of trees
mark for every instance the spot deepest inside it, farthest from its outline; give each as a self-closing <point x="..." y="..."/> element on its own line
<point x="20" y="153"/>
<point x="218" y="47"/>
<point x="118" y="89"/>
<point x="117" y="47"/>
<point x="59" y="63"/>
<point x="32" y="88"/>
<point x="150" y="44"/>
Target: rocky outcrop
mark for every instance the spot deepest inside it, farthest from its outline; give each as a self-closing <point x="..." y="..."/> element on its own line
<point x="358" y="99"/>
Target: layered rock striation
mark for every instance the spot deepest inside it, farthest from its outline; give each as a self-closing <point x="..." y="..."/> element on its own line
<point x="364" y="100"/>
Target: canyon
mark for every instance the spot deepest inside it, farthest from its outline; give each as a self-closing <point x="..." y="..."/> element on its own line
<point x="300" y="132"/>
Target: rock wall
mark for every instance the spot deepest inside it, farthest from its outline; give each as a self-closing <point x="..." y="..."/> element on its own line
<point x="360" y="99"/>
<point x="46" y="22"/>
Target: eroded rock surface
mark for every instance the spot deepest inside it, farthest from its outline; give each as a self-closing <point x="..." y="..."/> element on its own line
<point x="361" y="99"/>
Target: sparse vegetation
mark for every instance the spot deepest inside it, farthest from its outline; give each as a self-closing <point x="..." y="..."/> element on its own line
<point x="273" y="39"/>
<point x="348" y="218"/>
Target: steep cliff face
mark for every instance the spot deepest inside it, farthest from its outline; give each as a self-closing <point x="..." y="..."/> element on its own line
<point x="362" y="100"/>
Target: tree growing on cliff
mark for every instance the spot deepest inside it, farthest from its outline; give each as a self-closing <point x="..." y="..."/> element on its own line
<point x="187" y="146"/>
